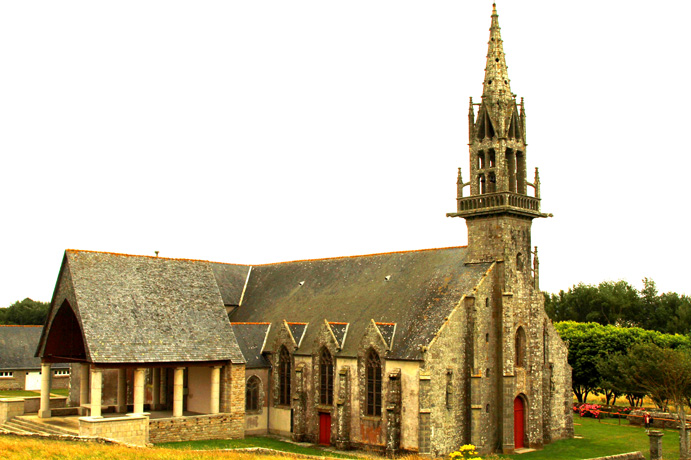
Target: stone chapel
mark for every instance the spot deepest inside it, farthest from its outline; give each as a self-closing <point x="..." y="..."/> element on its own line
<point x="416" y="351"/>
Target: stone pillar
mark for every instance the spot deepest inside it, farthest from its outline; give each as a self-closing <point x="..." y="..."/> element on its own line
<point x="83" y="385"/>
<point x="138" y="391"/>
<point x="122" y="391"/>
<point x="44" y="412"/>
<point x="163" y="395"/>
<point x="215" y="389"/>
<point x="343" y="410"/>
<point x="178" y="382"/>
<point x="655" y="444"/>
<point x="156" y="388"/>
<point x="96" y="387"/>
<point x="299" y="406"/>
<point x="393" y="414"/>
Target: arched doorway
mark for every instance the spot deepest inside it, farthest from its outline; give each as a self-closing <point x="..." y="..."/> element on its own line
<point x="518" y="422"/>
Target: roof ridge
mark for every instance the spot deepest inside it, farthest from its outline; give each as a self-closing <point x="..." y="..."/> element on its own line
<point x="242" y="323"/>
<point x="359" y="255"/>
<point x="21" y="325"/>
<point x="266" y="264"/>
<point x="153" y="257"/>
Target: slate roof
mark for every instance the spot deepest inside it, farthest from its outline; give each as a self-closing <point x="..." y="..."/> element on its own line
<point x="387" y="331"/>
<point x="298" y="331"/>
<point x="251" y="337"/>
<point x="136" y="309"/>
<point x="339" y="330"/>
<point x="17" y="347"/>
<point x="231" y="281"/>
<point x="415" y="290"/>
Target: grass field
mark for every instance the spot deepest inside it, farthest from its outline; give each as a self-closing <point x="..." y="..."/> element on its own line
<point x="18" y="393"/>
<point x="30" y="393"/>
<point x="254" y="441"/>
<point x="598" y="439"/>
<point x="594" y="439"/>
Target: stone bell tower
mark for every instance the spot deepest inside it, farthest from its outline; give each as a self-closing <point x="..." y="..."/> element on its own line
<point x="502" y="203"/>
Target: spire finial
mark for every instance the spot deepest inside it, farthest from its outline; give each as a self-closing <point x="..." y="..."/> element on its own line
<point x="496" y="83"/>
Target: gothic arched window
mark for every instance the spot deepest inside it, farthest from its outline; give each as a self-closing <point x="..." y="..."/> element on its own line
<point x="326" y="378"/>
<point x="252" y="393"/>
<point x="520" y="347"/>
<point x="373" y="397"/>
<point x="284" y="370"/>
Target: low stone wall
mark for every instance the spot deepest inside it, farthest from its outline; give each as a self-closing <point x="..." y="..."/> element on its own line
<point x="64" y="411"/>
<point x="10" y="408"/>
<point x="660" y="419"/>
<point x="33" y="403"/>
<point x="628" y="456"/>
<point x="197" y="428"/>
<point x="131" y="429"/>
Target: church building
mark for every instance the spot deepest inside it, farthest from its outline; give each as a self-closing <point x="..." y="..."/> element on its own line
<point x="415" y="351"/>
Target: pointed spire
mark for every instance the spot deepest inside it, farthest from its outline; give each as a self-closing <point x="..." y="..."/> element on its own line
<point x="496" y="85"/>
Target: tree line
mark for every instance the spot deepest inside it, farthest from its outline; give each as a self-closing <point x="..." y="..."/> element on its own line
<point x="618" y="303"/>
<point x="630" y="362"/>
<point x="25" y="312"/>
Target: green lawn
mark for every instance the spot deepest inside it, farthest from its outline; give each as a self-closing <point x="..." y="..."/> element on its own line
<point x="594" y="439"/>
<point x="18" y="393"/>
<point x="601" y="439"/>
<point x="24" y="393"/>
<point x="254" y="441"/>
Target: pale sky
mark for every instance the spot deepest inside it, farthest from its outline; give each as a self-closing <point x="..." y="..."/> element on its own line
<point x="263" y="131"/>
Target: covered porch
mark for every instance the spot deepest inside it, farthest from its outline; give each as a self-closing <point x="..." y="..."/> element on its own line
<point x="143" y="335"/>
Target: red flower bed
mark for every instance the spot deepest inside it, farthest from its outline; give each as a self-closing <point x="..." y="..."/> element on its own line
<point x="588" y="410"/>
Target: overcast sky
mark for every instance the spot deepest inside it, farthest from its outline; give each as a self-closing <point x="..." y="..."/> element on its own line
<point x="263" y="131"/>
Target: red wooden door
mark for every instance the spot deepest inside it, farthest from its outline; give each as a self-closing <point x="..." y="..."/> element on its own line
<point x="518" y="422"/>
<point x="324" y="429"/>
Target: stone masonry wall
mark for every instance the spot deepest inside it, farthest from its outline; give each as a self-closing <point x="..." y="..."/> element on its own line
<point x="197" y="428"/>
<point x="18" y="381"/>
<point x="10" y="408"/>
<point x="232" y="397"/>
<point x="461" y="395"/>
<point x="131" y="429"/>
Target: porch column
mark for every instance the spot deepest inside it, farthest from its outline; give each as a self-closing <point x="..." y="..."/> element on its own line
<point x="215" y="389"/>
<point x="96" y="387"/>
<point x="178" y="382"/>
<point x="164" y="387"/>
<point x="122" y="391"/>
<point x="44" y="412"/>
<point x="156" y="389"/>
<point x="83" y="385"/>
<point x="138" y="391"/>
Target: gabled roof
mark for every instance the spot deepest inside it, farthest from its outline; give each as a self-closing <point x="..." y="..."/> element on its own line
<point x="251" y="338"/>
<point x="17" y="347"/>
<point x="339" y="331"/>
<point x="415" y="290"/>
<point x="387" y="331"/>
<point x="231" y="281"/>
<point x="137" y="309"/>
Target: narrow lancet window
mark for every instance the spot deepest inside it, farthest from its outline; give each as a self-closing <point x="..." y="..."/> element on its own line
<point x="374" y="379"/>
<point x="520" y="347"/>
<point x="284" y="371"/>
<point x="326" y="378"/>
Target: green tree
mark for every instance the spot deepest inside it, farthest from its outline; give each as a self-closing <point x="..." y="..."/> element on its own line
<point x="621" y="304"/>
<point x="665" y="374"/>
<point x="591" y="344"/>
<point x="26" y="311"/>
<point x="608" y="303"/>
